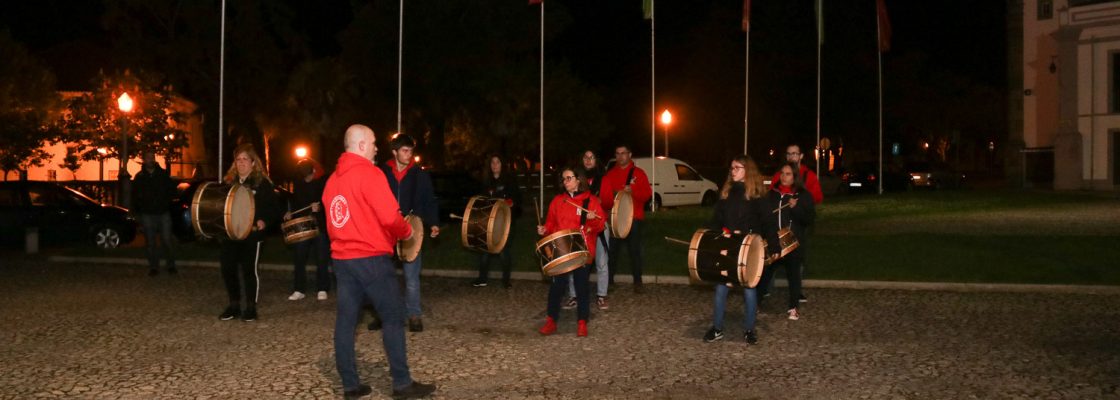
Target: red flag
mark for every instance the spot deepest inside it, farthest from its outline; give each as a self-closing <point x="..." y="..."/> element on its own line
<point x="746" y="15"/>
<point x="884" y="26"/>
<point x="535" y="2"/>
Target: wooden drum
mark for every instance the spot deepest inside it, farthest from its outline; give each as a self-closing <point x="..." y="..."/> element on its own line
<point x="622" y="215"/>
<point x="221" y="210"/>
<point x="486" y="224"/>
<point x="409" y="249"/>
<point x="562" y="252"/>
<point x="717" y="258"/>
<point x="300" y="229"/>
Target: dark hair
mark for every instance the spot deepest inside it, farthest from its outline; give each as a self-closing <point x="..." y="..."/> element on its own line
<point x="401" y="140"/>
<point x="304" y="168"/>
<point x="487" y="175"/>
<point x="797" y="183"/>
<point x="578" y="172"/>
<point x="624" y="145"/>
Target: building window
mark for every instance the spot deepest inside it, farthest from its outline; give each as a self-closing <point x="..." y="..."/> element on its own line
<point x="1045" y="9"/>
<point x="1114" y="86"/>
<point x="52" y="175"/>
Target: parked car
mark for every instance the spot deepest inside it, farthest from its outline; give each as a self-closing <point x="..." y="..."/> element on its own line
<point x="864" y="177"/>
<point x="676" y="183"/>
<point x="180" y="210"/>
<point x="934" y="176"/>
<point x="62" y="214"/>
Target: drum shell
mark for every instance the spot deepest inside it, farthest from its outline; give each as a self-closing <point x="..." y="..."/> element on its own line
<point x="486" y="223"/>
<point x="788" y="241"/>
<point x="742" y="265"/>
<point x="563" y="251"/>
<point x="408" y="250"/>
<point x="622" y="215"/>
<point x="222" y="210"/>
<point x="300" y="229"/>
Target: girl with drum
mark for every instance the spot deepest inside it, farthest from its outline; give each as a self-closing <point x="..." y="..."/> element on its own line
<point x="791" y="205"/>
<point x="498" y="183"/>
<point x="240" y="257"/>
<point x="578" y="209"/>
<point x="741" y="209"/>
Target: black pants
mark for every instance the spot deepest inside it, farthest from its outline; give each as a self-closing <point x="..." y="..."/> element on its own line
<point x="792" y="264"/>
<point x="321" y="248"/>
<point x="559" y="288"/>
<point x="239" y="260"/>
<point x="633" y="244"/>
<point x="503" y="257"/>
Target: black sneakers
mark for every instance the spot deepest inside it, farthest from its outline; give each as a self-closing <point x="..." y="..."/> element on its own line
<point x="713" y="335"/>
<point x="361" y="391"/>
<point x="414" y="391"/>
<point x="802" y="299"/>
<point x="249" y="315"/>
<point x="415" y="324"/>
<point x="231" y="312"/>
<point x="751" y="336"/>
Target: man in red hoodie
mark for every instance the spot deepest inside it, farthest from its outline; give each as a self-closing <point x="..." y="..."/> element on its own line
<point x="364" y="224"/>
<point x="625" y="176"/>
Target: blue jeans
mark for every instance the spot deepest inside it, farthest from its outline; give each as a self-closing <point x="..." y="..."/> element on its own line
<point x="750" y="300"/>
<point x="601" y="269"/>
<point x="158" y="224"/>
<point x="373" y="279"/>
<point x="412" y="287"/>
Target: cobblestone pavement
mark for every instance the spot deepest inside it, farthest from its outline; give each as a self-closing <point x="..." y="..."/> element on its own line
<point x="102" y="331"/>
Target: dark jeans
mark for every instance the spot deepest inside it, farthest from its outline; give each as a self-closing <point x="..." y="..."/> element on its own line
<point x="503" y="257"/>
<point x="792" y="265"/>
<point x="633" y="244"/>
<point x="158" y="225"/>
<point x="372" y="280"/>
<point x="239" y="259"/>
<point x="559" y="287"/>
<point x="321" y="248"/>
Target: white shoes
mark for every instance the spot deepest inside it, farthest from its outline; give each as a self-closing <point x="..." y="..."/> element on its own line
<point x="296" y="296"/>
<point x="793" y="314"/>
<point x="322" y="295"/>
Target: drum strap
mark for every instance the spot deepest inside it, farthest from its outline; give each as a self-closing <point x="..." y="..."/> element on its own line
<point x="583" y="216"/>
<point x="630" y="175"/>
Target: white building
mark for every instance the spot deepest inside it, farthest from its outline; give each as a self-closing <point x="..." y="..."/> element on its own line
<point x="1071" y="87"/>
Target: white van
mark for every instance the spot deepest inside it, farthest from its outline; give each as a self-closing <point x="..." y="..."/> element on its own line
<point x="677" y="183"/>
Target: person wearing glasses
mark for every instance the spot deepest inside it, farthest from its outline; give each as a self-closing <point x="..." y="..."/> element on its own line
<point x="795" y="210"/>
<point x="575" y="208"/>
<point x="625" y="176"/>
<point x="594" y="181"/>
<point x="741" y="209"/>
<point x="809" y="179"/>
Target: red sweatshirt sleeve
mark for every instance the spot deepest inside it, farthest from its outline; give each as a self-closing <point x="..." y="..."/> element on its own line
<point x="814" y="186"/>
<point x="641" y="190"/>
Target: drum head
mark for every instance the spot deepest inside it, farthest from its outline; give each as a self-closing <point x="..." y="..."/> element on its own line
<point x="752" y="258"/>
<point x="693" y="253"/>
<point x="239" y="212"/>
<point x="497" y="229"/>
<point x="622" y="215"/>
<point x="408" y="250"/>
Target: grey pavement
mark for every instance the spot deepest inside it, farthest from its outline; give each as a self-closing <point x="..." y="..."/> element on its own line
<point x="88" y="330"/>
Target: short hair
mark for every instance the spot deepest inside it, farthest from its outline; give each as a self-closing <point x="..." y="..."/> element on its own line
<point x="402" y="140"/>
<point x="305" y="167"/>
<point x="625" y="146"/>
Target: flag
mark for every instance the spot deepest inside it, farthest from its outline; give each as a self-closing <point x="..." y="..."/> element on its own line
<point x="746" y="15"/>
<point x="535" y="2"/>
<point x="819" y="7"/>
<point x="647" y="9"/>
<point x="884" y="26"/>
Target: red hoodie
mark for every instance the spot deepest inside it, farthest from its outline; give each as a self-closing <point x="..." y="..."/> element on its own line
<point x="640" y="189"/>
<point x="563" y="215"/>
<point x="363" y="218"/>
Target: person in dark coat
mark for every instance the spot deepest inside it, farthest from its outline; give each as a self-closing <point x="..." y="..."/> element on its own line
<point x="795" y="211"/>
<point x="152" y="190"/>
<point x="306" y="193"/>
<point x="499" y="183"/>
<point x="241" y="258"/>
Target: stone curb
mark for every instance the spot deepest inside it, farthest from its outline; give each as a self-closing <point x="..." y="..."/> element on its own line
<point x="684" y="280"/>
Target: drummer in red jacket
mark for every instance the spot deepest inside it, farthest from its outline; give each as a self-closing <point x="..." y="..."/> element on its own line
<point x="576" y="208"/>
<point x="625" y="176"/>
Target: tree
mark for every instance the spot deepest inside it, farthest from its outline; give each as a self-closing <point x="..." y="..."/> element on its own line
<point x="73" y="160"/>
<point x="96" y="121"/>
<point x="29" y="105"/>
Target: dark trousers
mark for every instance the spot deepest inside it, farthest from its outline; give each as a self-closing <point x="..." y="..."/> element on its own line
<point x="559" y="287"/>
<point x="158" y="225"/>
<point x="792" y="264"/>
<point x="633" y="244"/>
<point x="372" y="280"/>
<point x="321" y="248"/>
<point x="503" y="257"/>
<point x="239" y="260"/>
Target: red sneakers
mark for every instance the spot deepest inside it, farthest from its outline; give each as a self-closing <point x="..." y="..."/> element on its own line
<point x="582" y="330"/>
<point x="549" y="327"/>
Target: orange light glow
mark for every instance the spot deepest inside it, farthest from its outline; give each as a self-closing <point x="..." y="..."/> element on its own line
<point x="666" y="117"/>
<point x="124" y="102"/>
<point x="301" y="151"/>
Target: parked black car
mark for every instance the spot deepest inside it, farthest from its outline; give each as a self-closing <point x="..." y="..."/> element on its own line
<point x="934" y="175"/>
<point x="61" y="214"/>
<point x="180" y="210"/>
<point x="863" y="177"/>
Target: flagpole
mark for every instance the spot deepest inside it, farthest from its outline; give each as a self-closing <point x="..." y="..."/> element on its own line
<point x="221" y="90"/>
<point x="652" y="105"/>
<point x="820" y="33"/>
<point x="879" y="53"/>
<point x="400" y="60"/>
<point x="747" y="94"/>
<point x="542" y="110"/>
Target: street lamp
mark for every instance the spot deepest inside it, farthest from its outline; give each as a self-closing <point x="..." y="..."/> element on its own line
<point x="301" y="152"/>
<point x="101" y="152"/>
<point x="666" y="119"/>
<point x="124" y="103"/>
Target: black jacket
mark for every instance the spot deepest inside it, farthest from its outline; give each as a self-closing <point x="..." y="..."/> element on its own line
<point x="266" y="205"/>
<point x="505" y="187"/>
<point x="414" y="192"/>
<point x="304" y="193"/>
<point x="152" y="191"/>
<point x="800" y="217"/>
<point x="736" y="213"/>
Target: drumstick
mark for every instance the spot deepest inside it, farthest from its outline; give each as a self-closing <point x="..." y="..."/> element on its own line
<point x="537" y="205"/>
<point x="581" y="208"/>
<point x="779" y="208"/>
<point x="456" y="216"/>
<point x="297" y="211"/>
<point x="677" y="241"/>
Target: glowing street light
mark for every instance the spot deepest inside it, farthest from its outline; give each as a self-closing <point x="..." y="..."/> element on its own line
<point x="124" y="103"/>
<point x="301" y="151"/>
<point x="666" y="119"/>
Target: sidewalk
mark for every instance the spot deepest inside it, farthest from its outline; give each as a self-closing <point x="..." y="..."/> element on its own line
<point x="684" y="280"/>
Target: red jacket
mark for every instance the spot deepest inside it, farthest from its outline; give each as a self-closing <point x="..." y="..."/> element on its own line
<point x="640" y="189"/>
<point x="363" y="218"/>
<point x="563" y="215"/>
<point x="812" y="184"/>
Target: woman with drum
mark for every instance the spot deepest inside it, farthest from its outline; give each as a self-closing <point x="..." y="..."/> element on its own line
<point x="497" y="183"/>
<point x="741" y="209"/>
<point x="791" y="205"/>
<point x="239" y="258"/>
<point x="577" y="209"/>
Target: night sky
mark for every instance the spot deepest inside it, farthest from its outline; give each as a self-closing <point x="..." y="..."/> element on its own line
<point x="700" y="60"/>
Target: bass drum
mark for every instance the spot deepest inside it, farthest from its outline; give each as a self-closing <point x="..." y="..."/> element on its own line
<point x="409" y="249"/>
<point x="486" y="224"/>
<point x="562" y="252"/>
<point x="222" y="211"/>
<point x="717" y="258"/>
<point x="622" y="215"/>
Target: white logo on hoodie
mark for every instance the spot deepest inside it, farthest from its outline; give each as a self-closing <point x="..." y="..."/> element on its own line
<point x="339" y="212"/>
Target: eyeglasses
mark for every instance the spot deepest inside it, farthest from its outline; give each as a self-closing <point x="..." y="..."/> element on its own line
<point x="568" y="178"/>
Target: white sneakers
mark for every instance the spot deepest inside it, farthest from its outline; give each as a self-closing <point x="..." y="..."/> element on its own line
<point x="793" y="314"/>
<point x="296" y="296"/>
<point x="322" y="295"/>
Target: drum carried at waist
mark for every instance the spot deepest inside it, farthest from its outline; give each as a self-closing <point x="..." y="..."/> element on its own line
<point x="714" y="257"/>
<point x="300" y="229"/>
<point x="562" y="252"/>
<point x="486" y="224"/>
<point x="622" y="215"/>
<point x="222" y="210"/>
<point x="787" y="240"/>
<point x="409" y="249"/>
